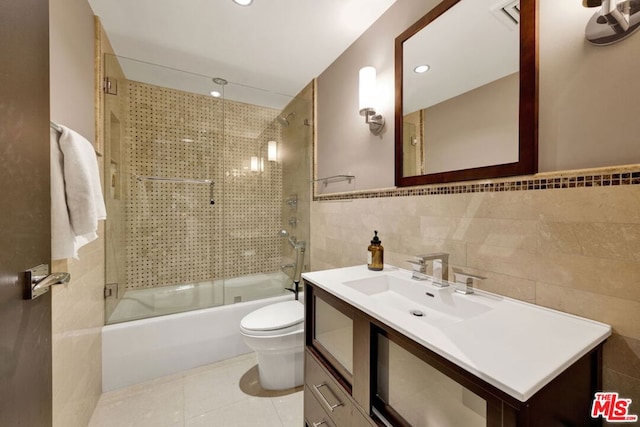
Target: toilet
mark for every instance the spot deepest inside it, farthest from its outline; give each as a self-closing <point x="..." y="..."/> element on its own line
<point x="276" y="334"/>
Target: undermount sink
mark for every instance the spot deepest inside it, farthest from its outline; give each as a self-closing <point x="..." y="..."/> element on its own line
<point x="437" y="306"/>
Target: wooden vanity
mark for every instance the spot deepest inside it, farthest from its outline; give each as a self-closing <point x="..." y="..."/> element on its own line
<point x="362" y="370"/>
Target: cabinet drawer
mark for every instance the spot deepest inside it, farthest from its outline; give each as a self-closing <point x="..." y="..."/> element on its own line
<point x="331" y="396"/>
<point x="314" y="415"/>
<point x="358" y="419"/>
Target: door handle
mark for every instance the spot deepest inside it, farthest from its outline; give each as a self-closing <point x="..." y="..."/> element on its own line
<point x="38" y="280"/>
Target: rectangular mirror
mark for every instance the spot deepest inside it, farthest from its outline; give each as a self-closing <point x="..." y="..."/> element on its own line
<point x="466" y="93"/>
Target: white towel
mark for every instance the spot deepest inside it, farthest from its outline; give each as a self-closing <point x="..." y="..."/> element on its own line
<point x="77" y="202"/>
<point x="62" y="237"/>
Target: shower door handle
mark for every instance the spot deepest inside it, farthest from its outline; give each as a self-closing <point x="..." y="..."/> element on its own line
<point x="38" y="280"/>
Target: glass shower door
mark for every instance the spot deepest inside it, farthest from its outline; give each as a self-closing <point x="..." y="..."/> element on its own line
<point x="163" y="147"/>
<point x="266" y="157"/>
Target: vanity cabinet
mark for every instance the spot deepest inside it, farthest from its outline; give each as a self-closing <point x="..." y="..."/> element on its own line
<point x="326" y="401"/>
<point x="359" y="371"/>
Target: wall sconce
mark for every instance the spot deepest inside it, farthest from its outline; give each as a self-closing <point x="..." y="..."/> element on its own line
<point x="272" y="151"/>
<point x="615" y="21"/>
<point x="255" y="164"/>
<point x="367" y="95"/>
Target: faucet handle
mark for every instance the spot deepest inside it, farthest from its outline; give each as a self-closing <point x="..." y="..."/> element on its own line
<point x="465" y="279"/>
<point x="462" y="277"/>
<point x="419" y="270"/>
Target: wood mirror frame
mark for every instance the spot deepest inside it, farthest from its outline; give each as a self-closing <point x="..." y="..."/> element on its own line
<point x="528" y="113"/>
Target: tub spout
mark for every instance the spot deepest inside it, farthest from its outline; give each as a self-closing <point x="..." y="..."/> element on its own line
<point x="283" y="267"/>
<point x="295" y="289"/>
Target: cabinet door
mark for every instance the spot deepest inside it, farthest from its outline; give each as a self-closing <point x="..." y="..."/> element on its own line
<point x="409" y="391"/>
<point x="333" y="335"/>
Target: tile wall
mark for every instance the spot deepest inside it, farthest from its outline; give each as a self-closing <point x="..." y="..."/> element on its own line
<point x="295" y="156"/>
<point x="174" y="234"/>
<point x="252" y="199"/>
<point x="77" y="320"/>
<point x="77" y="309"/>
<point x="570" y="247"/>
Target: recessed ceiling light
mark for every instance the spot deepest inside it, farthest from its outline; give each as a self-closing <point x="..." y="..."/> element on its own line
<point x="215" y="94"/>
<point x="421" y="69"/>
<point x="243" y="2"/>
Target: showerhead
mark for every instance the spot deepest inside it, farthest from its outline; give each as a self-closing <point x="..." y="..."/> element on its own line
<point x="284" y="121"/>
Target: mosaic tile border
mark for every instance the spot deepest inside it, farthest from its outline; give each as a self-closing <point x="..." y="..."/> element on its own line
<point x="544" y="181"/>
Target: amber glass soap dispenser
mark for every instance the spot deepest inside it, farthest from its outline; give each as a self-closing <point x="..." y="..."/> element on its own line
<point x="375" y="256"/>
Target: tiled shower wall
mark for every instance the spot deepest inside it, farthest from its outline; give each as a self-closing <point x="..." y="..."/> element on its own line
<point x="175" y="235"/>
<point x="252" y="199"/>
<point x="295" y="156"/>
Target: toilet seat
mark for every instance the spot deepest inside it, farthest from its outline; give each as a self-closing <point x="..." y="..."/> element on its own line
<point x="275" y="319"/>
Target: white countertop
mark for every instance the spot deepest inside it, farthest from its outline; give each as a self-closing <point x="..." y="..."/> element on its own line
<point x="516" y="347"/>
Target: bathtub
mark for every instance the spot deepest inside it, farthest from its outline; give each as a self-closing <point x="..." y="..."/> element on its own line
<point x="145" y="349"/>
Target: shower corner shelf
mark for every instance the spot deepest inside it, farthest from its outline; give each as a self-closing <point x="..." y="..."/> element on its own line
<point x="335" y="178"/>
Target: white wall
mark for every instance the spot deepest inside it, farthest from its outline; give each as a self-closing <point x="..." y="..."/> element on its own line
<point x="344" y="143"/>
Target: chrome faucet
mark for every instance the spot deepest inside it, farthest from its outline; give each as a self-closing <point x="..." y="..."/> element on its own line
<point x="283" y="267"/>
<point x="440" y="268"/>
<point x="464" y="281"/>
<point x="297" y="268"/>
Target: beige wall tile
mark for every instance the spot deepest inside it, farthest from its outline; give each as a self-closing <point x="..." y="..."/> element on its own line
<point x="393" y="224"/>
<point x="613" y="204"/>
<point x="77" y="317"/>
<point x="513" y="262"/>
<point x="439" y="228"/>
<point x="450" y="205"/>
<point x="595" y="239"/>
<point x="622" y="314"/>
<point x="622" y="354"/>
<point x="626" y="386"/>
<point x="77" y="357"/>
<point x="595" y="275"/>
<point x="507" y="233"/>
<point x="520" y="205"/>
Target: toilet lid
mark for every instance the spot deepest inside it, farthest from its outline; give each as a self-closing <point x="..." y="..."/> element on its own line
<point x="274" y="316"/>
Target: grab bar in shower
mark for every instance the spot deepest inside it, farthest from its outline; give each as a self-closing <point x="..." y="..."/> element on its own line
<point x="185" y="180"/>
<point x="181" y="181"/>
<point x="335" y="178"/>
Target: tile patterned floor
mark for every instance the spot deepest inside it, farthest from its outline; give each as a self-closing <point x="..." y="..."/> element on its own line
<point x="225" y="394"/>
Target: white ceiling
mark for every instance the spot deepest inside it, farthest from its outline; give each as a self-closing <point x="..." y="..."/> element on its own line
<point x="274" y="46"/>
